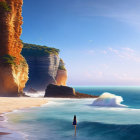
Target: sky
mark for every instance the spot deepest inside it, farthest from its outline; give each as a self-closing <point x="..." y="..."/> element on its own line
<point x="99" y="40"/>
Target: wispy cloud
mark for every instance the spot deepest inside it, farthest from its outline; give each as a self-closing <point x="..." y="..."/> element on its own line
<point x="127" y="77"/>
<point x="90" y="52"/>
<point x="127" y="11"/>
<point x="94" y="75"/>
<point x="104" y="52"/>
<point x="126" y="53"/>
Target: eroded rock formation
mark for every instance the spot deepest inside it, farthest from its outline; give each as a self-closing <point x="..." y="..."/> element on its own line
<point x="64" y="92"/>
<point x="13" y="67"/>
<point x="59" y="91"/>
<point x="42" y="71"/>
<point x="45" y="66"/>
<point x="61" y="77"/>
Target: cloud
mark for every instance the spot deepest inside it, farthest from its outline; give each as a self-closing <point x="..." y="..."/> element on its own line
<point x="126" y="53"/>
<point x="114" y="50"/>
<point x="104" y="52"/>
<point x="94" y="75"/>
<point x="127" y="11"/>
<point x="117" y="77"/>
<point x="105" y="66"/>
<point x="91" y="52"/>
<point x="127" y="77"/>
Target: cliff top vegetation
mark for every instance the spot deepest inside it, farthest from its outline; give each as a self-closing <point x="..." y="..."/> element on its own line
<point x="5" y="6"/>
<point x="61" y="65"/>
<point x="8" y="59"/>
<point x="38" y="50"/>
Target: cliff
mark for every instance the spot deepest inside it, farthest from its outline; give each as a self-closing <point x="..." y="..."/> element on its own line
<point x="13" y="67"/>
<point x="44" y="66"/>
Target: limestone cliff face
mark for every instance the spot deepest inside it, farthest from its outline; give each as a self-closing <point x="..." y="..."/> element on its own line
<point x="20" y="74"/>
<point x="45" y="66"/>
<point x="42" y="71"/>
<point x="13" y="79"/>
<point x="13" y="67"/>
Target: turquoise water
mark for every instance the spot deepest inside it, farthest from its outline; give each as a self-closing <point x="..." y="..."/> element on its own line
<point x="131" y="95"/>
<point x="54" y="120"/>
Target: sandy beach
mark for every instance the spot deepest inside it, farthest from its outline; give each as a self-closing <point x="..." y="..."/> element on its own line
<point x="8" y="104"/>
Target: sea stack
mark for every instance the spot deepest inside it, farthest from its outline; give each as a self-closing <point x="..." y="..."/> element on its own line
<point x="61" y="77"/>
<point x="13" y="66"/>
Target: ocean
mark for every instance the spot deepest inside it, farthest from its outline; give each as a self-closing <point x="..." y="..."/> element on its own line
<point x="114" y="116"/>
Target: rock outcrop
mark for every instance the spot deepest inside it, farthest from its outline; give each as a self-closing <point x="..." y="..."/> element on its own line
<point x="64" y="92"/>
<point x="59" y="91"/>
<point x="13" y="67"/>
<point x="61" y="77"/>
<point x="45" y="66"/>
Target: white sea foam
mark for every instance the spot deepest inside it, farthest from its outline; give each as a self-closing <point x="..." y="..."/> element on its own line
<point x="108" y="100"/>
<point x="39" y="94"/>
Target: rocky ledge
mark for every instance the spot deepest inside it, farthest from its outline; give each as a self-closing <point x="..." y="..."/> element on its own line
<point x="64" y="92"/>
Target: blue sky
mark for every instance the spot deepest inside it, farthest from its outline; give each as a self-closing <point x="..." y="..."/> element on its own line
<point x="99" y="39"/>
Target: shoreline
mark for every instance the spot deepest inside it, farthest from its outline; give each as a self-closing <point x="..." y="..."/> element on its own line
<point x="9" y="104"/>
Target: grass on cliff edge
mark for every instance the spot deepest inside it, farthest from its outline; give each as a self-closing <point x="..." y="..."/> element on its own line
<point x="5" y="6"/>
<point x="8" y="59"/>
<point x="11" y="60"/>
<point x="38" y="50"/>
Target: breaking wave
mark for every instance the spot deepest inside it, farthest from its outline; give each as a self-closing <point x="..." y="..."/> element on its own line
<point x="108" y="100"/>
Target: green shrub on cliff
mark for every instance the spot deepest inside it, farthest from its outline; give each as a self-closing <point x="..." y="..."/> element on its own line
<point x="62" y="68"/>
<point x="8" y="59"/>
<point x="5" y="6"/>
<point x="38" y="50"/>
<point x="61" y="65"/>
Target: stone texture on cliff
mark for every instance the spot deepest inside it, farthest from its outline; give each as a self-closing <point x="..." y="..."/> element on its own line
<point x="61" y="77"/>
<point x="59" y="91"/>
<point x="10" y="29"/>
<point x="13" y="76"/>
<point x="42" y="70"/>
<point x="13" y="79"/>
<point x="45" y="66"/>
